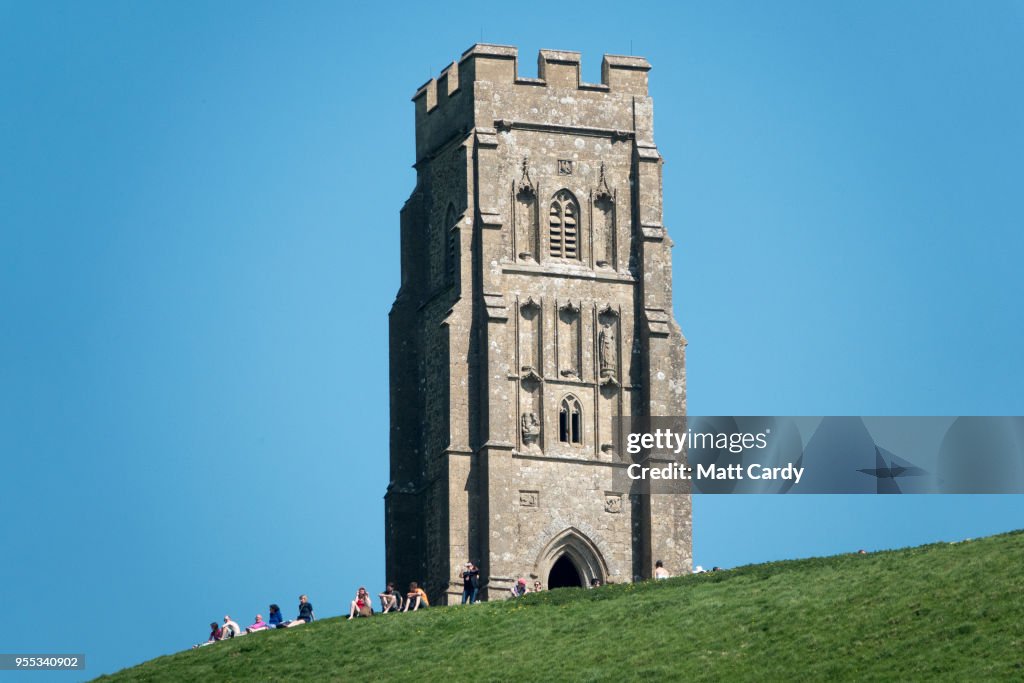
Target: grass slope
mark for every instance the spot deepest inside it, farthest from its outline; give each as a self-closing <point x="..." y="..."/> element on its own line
<point x="949" y="611"/>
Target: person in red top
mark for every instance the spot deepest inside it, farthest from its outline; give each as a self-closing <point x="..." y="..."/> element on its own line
<point x="361" y="606"/>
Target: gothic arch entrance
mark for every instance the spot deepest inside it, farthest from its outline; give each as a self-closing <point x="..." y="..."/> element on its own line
<point x="564" y="574"/>
<point x="570" y="559"/>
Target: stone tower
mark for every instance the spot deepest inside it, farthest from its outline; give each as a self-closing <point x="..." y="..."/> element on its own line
<point x="535" y="307"/>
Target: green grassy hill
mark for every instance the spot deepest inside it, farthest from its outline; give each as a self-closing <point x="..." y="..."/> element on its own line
<point x="949" y="611"/>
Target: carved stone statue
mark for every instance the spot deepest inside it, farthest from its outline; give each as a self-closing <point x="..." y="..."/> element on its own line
<point x="606" y="346"/>
<point x="531" y="429"/>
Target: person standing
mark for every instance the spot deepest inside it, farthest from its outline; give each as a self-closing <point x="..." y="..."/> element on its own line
<point x="470" y="583"/>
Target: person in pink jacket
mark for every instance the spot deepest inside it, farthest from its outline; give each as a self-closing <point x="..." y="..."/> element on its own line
<point x="258" y="625"/>
<point x="216" y="634"/>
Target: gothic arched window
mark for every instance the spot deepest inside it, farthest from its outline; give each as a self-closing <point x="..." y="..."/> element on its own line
<point x="563" y="226"/>
<point x="570" y="421"/>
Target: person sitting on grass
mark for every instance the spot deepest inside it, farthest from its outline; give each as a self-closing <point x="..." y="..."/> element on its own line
<point x="390" y="599"/>
<point x="519" y="589"/>
<point x="305" y="613"/>
<point x="258" y="625"/>
<point x="659" y="570"/>
<point x="230" y="629"/>
<point x="215" y="634"/>
<point x="415" y="598"/>
<point x="361" y="606"/>
<point x="275" y="617"/>
<point x="537" y="587"/>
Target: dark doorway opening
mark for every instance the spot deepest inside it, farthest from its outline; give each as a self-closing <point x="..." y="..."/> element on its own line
<point x="564" y="574"/>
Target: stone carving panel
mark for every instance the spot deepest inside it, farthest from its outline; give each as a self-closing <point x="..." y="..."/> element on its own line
<point x="613" y="503"/>
<point x="529" y="499"/>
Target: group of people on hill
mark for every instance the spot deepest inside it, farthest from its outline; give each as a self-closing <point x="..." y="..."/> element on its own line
<point x="230" y="629"/>
<point x="520" y="588"/>
<point x="391" y="600"/>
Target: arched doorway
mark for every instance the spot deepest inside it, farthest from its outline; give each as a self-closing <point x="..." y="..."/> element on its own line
<point x="570" y="559"/>
<point x="564" y="574"/>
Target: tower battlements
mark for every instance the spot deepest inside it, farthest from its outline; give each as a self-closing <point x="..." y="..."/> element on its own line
<point x="489" y="75"/>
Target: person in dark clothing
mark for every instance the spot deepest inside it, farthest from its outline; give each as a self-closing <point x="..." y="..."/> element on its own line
<point x="390" y="599"/>
<point x="305" y="613"/>
<point x="470" y="583"/>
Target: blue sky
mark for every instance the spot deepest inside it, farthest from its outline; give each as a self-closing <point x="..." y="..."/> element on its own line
<point x="199" y="247"/>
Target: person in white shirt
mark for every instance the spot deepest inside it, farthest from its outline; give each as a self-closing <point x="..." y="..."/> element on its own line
<point x="230" y="629"/>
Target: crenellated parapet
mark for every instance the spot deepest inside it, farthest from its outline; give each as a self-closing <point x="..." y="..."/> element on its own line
<point x="474" y="90"/>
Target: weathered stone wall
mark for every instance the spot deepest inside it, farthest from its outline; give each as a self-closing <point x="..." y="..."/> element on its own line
<point x="550" y="291"/>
